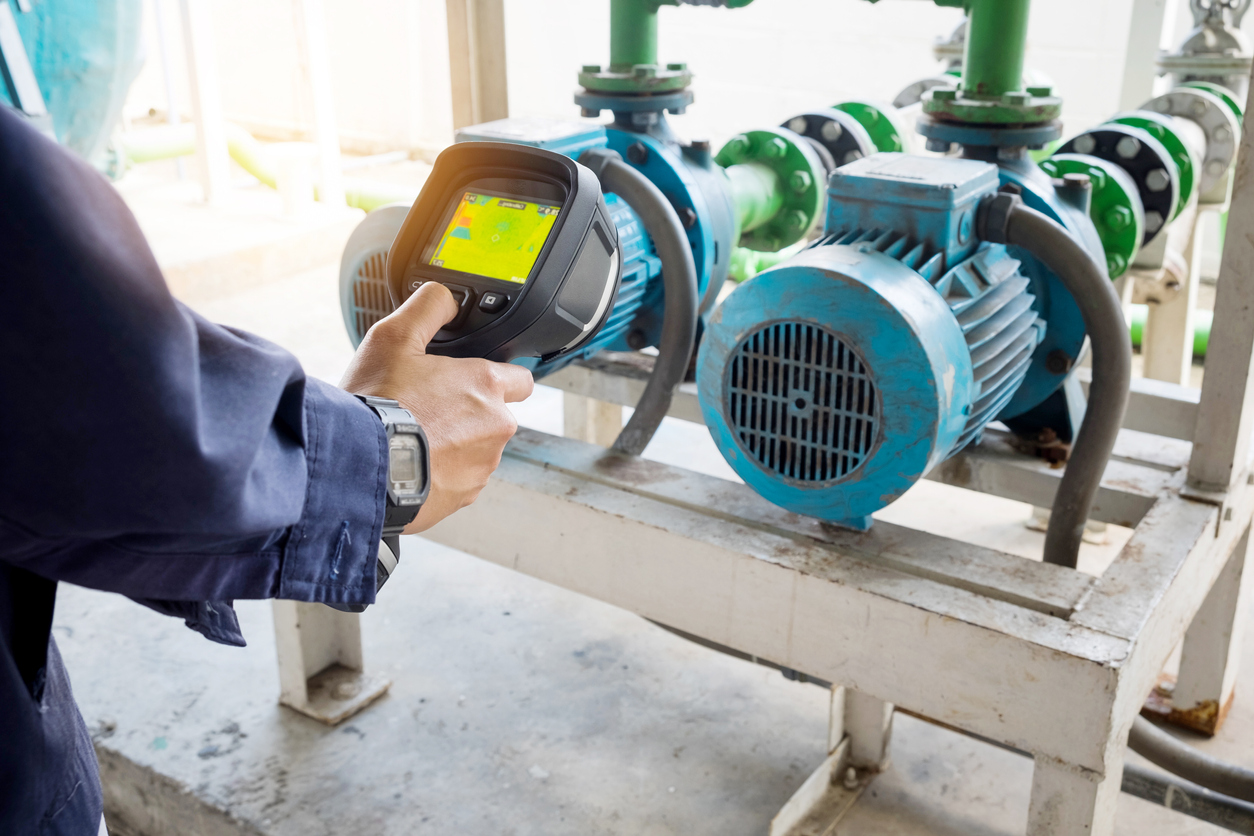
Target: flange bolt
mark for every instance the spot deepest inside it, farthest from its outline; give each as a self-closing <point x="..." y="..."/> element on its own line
<point x="775" y="149"/>
<point x="796" y="219"/>
<point x="738" y="146"/>
<point x="1117" y="217"/>
<point x="1058" y="362"/>
<point x="1128" y="147"/>
<point x="637" y="153"/>
<point x="800" y="181"/>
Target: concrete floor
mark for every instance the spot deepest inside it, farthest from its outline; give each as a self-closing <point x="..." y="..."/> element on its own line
<point x="517" y="707"/>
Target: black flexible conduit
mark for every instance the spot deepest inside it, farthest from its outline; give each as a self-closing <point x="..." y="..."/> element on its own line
<point x="1005" y="220"/>
<point x="679" y="280"/>
<point x="1160" y="748"/>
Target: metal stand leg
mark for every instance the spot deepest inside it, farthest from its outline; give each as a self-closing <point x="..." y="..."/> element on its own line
<point x="1168" y="340"/>
<point x="585" y="419"/>
<point x="869" y="726"/>
<point x="311" y="38"/>
<point x="202" y="73"/>
<point x="1070" y="801"/>
<point x="1212" y="650"/>
<point x="858" y="733"/>
<point x="320" y="662"/>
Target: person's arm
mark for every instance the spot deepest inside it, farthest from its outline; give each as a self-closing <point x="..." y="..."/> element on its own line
<point x="146" y="451"/>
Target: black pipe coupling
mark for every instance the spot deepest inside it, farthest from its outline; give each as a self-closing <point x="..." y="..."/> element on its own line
<point x="992" y="218"/>
<point x="597" y="159"/>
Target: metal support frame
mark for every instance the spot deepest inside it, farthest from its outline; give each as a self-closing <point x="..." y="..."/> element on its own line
<point x="1038" y="657"/>
<point x="476" y="47"/>
<point x="321" y="670"/>
<point x="1167" y="343"/>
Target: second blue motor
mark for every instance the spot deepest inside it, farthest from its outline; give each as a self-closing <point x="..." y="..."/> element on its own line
<point x="833" y="382"/>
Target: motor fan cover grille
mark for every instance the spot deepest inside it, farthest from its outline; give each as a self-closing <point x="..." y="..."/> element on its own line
<point x="802" y="403"/>
<point x="371" y="300"/>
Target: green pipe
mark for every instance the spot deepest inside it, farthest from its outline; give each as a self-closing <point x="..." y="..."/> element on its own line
<point x="169" y="141"/>
<point x="746" y="263"/>
<point x="997" y="33"/>
<point x="1201" y="328"/>
<point x="756" y="194"/>
<point x="633" y="33"/>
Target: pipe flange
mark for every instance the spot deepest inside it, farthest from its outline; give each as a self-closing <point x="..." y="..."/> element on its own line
<point x="1115" y="206"/>
<point x="1031" y="107"/>
<point x="801" y="178"/>
<point x="993" y="136"/>
<point x="1144" y="159"/>
<point x="835" y="130"/>
<point x="913" y="93"/>
<point x="1216" y="120"/>
<point x="593" y="103"/>
<point x="1163" y="129"/>
<point x="1223" y="93"/>
<point x="881" y="122"/>
<point x="647" y="79"/>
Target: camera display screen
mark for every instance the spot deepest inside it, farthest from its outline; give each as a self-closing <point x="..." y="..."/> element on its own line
<point x="495" y="235"/>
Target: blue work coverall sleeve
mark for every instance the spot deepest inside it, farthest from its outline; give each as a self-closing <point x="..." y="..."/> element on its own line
<point x="149" y="452"/>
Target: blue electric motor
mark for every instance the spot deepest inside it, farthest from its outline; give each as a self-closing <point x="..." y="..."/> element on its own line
<point x="691" y="181"/>
<point x="833" y="382"/>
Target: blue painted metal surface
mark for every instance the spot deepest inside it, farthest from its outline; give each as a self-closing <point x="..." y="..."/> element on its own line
<point x="85" y="54"/>
<point x="833" y="382"/>
<point x="698" y="189"/>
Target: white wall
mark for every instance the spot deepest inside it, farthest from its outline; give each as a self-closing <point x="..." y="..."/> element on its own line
<point x="754" y="66"/>
<point x="389" y="64"/>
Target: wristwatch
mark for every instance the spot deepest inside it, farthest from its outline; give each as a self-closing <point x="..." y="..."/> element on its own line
<point x="409" y="481"/>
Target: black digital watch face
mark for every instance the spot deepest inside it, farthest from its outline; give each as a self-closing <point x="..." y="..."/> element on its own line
<point x="522" y="239"/>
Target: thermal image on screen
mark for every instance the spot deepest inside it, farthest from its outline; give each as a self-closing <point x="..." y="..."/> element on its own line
<point x="494" y="236"/>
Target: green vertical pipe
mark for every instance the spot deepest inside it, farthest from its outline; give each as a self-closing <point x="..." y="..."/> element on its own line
<point x="633" y="33"/>
<point x="997" y="32"/>
<point x="755" y="192"/>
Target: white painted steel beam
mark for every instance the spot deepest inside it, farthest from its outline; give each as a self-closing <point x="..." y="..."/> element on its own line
<point x="476" y="46"/>
<point x="315" y="59"/>
<point x="625" y="531"/>
<point x="1226" y="411"/>
<point x="212" y="156"/>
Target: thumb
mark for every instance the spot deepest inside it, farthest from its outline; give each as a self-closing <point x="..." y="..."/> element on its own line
<point x="425" y="312"/>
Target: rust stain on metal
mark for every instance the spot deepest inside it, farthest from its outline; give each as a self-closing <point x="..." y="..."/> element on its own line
<point x="1205" y="717"/>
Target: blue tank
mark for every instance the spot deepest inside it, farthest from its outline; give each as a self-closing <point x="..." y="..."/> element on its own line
<point x="85" y="54"/>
